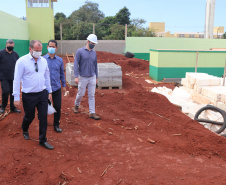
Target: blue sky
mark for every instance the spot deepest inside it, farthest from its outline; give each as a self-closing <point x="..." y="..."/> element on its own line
<point x="178" y="15"/>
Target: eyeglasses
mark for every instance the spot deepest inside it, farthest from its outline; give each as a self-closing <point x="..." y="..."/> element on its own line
<point x="36" y="67"/>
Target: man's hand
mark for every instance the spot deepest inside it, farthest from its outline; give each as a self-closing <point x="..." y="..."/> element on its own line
<point x="16" y="103"/>
<point x="76" y="80"/>
<point x="64" y="90"/>
<point x="96" y="80"/>
<point x="50" y="97"/>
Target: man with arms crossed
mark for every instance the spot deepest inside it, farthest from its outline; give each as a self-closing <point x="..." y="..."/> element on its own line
<point x="33" y="71"/>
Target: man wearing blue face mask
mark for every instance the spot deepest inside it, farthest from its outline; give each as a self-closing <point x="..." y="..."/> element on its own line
<point x="86" y="74"/>
<point x="57" y="78"/>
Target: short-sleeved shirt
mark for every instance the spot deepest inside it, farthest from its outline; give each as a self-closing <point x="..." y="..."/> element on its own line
<point x="7" y="64"/>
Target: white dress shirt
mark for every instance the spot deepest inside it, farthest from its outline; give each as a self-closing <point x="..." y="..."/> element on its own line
<point x="32" y="81"/>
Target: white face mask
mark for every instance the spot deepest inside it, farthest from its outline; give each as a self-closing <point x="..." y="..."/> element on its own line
<point x="36" y="54"/>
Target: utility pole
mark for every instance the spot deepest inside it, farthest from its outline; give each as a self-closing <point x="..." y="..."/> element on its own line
<point x="77" y="28"/>
<point x="93" y="28"/>
<point x="125" y="31"/>
<point x="61" y="49"/>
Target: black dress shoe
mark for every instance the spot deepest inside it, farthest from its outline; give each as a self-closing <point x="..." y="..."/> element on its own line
<point x="47" y="145"/>
<point x="2" y="110"/>
<point x="58" y="129"/>
<point x="15" y="110"/>
<point x="26" y="135"/>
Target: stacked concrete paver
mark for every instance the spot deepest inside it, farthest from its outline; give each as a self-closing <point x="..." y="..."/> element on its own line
<point x="109" y="75"/>
<point x="205" y="89"/>
<point x="70" y="76"/>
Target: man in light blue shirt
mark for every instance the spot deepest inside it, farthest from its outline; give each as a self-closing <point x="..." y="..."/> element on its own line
<point x="56" y="68"/>
<point x="86" y="74"/>
<point x="32" y="70"/>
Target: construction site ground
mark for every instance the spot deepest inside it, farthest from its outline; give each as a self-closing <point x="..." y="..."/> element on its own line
<point x="141" y="139"/>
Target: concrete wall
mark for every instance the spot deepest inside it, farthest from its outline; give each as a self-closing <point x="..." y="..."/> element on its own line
<point x="71" y="46"/>
<point x="140" y="46"/>
<point x="14" y="28"/>
<point x="175" y="63"/>
<point x="41" y="23"/>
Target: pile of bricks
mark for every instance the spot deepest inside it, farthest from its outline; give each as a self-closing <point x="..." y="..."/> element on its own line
<point x="205" y="89"/>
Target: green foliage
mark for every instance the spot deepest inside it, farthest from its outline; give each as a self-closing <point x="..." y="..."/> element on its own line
<point x="123" y="16"/>
<point x="80" y="24"/>
<point x="224" y="35"/>
<point x="136" y="29"/>
<point x="58" y="18"/>
<point x="117" y="32"/>
<point x="87" y="13"/>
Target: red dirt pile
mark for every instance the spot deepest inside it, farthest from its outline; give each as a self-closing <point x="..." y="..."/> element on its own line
<point x="115" y="149"/>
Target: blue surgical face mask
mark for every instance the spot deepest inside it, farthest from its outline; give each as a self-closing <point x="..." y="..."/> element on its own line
<point x="91" y="46"/>
<point x="51" y="50"/>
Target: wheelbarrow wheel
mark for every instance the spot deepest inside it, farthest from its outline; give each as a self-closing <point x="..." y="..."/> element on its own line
<point x="215" y="109"/>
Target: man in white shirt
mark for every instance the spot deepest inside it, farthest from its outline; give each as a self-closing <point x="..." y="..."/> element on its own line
<point x="32" y="70"/>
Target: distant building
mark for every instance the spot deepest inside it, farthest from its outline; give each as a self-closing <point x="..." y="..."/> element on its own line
<point x="159" y="29"/>
<point x="198" y="34"/>
<point x="157" y="26"/>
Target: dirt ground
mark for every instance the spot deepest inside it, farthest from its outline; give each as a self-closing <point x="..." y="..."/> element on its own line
<point x="115" y="150"/>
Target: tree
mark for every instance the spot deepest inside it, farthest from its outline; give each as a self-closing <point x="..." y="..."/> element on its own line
<point x="58" y="18"/>
<point x="117" y="32"/>
<point x="87" y="13"/>
<point x="137" y="22"/>
<point x="136" y="29"/>
<point x="81" y="30"/>
<point x="123" y="16"/>
<point x="104" y="25"/>
<point x="224" y="35"/>
<point x="80" y="24"/>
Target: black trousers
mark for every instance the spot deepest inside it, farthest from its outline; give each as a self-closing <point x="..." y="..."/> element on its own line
<point x="30" y="101"/>
<point x="56" y="96"/>
<point x="7" y="89"/>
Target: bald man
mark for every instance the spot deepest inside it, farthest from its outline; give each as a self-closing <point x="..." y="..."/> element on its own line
<point x="32" y="70"/>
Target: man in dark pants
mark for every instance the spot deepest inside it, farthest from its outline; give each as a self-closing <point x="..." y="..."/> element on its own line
<point x="8" y="59"/>
<point x="33" y="71"/>
<point x="56" y="68"/>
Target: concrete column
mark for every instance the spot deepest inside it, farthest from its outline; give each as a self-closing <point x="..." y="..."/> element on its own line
<point x="209" y="22"/>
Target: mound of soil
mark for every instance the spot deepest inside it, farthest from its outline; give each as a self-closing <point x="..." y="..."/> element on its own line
<point x="141" y="139"/>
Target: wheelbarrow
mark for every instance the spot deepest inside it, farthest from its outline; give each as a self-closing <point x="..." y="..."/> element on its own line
<point x="221" y="124"/>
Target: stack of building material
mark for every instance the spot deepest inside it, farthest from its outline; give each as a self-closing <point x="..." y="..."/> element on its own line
<point x="205" y="89"/>
<point x="180" y="97"/>
<point x="109" y="76"/>
<point x="70" y="77"/>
